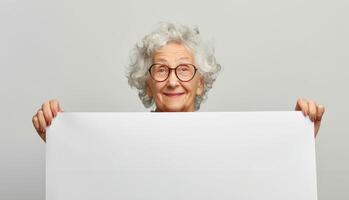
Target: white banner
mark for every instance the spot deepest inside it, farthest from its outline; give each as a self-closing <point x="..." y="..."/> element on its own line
<point x="181" y="156"/>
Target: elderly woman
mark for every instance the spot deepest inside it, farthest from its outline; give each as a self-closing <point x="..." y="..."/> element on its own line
<point x="173" y="69"/>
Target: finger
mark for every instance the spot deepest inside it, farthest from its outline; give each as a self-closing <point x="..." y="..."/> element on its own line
<point x="320" y="112"/>
<point x="36" y="123"/>
<point x="47" y="112"/>
<point x="42" y="121"/>
<point x="43" y="136"/>
<point x="312" y="110"/>
<point x="59" y="108"/>
<point x="317" y="127"/>
<point x="37" y="127"/>
<point x="302" y="105"/>
<point x="54" y="107"/>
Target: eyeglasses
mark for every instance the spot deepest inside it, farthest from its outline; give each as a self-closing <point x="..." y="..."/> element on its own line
<point x="184" y="72"/>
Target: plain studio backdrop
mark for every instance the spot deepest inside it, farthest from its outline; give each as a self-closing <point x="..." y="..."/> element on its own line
<point x="272" y="52"/>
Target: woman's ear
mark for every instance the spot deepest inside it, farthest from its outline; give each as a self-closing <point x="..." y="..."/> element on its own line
<point x="200" y="88"/>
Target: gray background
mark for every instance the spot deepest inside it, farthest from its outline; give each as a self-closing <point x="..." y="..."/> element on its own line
<point x="272" y="53"/>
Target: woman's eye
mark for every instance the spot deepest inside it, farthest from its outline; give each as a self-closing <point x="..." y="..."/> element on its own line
<point x="161" y="70"/>
<point x="183" y="69"/>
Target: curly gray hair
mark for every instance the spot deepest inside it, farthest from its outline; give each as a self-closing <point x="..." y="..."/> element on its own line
<point x="143" y="51"/>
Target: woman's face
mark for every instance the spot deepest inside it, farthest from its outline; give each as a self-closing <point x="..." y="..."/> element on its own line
<point x="173" y="95"/>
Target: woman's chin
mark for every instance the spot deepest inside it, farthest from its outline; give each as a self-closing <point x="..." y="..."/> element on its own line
<point x="177" y="108"/>
<point x="171" y="105"/>
<point x="174" y="109"/>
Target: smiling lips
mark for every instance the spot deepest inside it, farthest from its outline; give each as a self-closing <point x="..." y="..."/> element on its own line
<point x="173" y="94"/>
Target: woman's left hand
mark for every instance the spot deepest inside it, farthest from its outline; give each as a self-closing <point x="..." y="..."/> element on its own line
<point x="313" y="110"/>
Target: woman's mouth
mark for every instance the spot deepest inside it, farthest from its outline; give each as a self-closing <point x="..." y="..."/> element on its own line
<point x="173" y="94"/>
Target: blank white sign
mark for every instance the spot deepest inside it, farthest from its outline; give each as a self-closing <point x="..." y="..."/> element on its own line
<point x="181" y="156"/>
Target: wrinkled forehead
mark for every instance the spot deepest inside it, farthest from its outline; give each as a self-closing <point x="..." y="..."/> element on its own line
<point x="173" y="52"/>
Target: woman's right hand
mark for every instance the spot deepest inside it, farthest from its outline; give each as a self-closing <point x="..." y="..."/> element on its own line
<point x="43" y="118"/>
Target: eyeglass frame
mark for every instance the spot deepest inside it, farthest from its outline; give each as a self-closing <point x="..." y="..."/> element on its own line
<point x="170" y="69"/>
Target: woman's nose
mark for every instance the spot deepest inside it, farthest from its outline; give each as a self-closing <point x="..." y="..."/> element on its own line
<point x="172" y="79"/>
